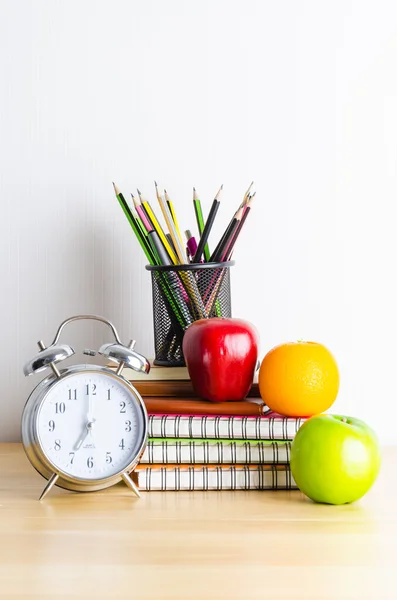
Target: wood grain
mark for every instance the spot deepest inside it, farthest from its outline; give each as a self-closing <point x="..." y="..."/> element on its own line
<point x="196" y="545"/>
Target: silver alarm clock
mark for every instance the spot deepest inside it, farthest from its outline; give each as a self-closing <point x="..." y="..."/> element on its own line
<point x="84" y="428"/>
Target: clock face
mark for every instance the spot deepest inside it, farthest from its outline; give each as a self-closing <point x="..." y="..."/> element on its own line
<point x="90" y="426"/>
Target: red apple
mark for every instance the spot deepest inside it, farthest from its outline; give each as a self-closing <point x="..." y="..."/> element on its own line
<point x="221" y="357"/>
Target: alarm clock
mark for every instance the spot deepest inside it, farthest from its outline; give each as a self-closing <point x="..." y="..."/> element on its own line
<point x="84" y="428"/>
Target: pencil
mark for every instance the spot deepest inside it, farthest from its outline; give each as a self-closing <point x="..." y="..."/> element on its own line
<point x="132" y="221"/>
<point x="171" y="228"/>
<point x="212" y="290"/>
<point x="167" y="288"/>
<point x="208" y="226"/>
<point x="215" y="255"/>
<point x="246" y="195"/>
<point x="141" y="213"/>
<point x="140" y="225"/>
<point x="170" y="276"/>
<point x="200" y="221"/>
<point x="246" y="211"/>
<point x="231" y="240"/>
<point x="187" y="277"/>
<point x="173" y="214"/>
<point x="171" y="243"/>
<point x="157" y="227"/>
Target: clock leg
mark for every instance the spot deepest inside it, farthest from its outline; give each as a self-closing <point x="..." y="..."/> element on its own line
<point x="128" y="481"/>
<point x="49" y="485"/>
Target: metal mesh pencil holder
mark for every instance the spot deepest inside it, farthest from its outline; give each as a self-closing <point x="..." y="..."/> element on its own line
<point x="181" y="295"/>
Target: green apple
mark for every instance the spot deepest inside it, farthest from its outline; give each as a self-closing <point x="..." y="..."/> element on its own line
<point x="335" y="459"/>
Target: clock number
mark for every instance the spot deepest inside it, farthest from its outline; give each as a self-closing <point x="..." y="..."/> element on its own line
<point x="128" y="426"/>
<point x="51" y="425"/>
<point x="121" y="445"/>
<point x="122" y="407"/>
<point x="109" y="457"/>
<point x="90" y="462"/>
<point x="71" y="454"/>
<point x="60" y="407"/>
<point x="72" y="394"/>
<point x="108" y="398"/>
<point x="93" y="389"/>
<point x="57" y="445"/>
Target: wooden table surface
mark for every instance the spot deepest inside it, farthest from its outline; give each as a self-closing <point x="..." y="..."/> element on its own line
<point x="188" y="545"/>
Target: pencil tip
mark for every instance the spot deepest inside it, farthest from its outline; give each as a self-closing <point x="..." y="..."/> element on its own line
<point x="194" y="189"/>
<point x="139" y="193"/>
<point x="116" y="189"/>
<point x="218" y="192"/>
<point x="165" y="191"/>
<point x="155" y="183"/>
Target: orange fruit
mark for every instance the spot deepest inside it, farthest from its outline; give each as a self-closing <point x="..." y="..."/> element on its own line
<point x="299" y="379"/>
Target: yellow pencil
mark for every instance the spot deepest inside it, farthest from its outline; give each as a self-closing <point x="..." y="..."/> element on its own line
<point x="173" y="215"/>
<point x="159" y="230"/>
<point x="171" y="228"/>
<point x="187" y="277"/>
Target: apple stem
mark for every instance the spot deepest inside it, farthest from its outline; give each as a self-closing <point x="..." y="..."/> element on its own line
<point x="344" y="420"/>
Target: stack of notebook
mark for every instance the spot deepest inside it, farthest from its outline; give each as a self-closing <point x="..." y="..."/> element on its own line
<point x="199" y="445"/>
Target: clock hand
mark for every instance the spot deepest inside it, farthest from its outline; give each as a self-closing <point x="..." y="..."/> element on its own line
<point x="89" y="426"/>
<point x="90" y="406"/>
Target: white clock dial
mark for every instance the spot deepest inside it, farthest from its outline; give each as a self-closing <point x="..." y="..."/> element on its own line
<point x="90" y="426"/>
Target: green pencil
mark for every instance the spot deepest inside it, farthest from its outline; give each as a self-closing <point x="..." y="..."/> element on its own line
<point x="151" y="256"/>
<point x="200" y="221"/>
<point x="135" y="227"/>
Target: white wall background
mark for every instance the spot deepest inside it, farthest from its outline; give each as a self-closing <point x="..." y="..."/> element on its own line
<point x="300" y="96"/>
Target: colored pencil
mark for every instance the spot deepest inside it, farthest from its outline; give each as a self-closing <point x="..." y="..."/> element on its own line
<point x="168" y="288"/>
<point x="135" y="227"/>
<point x="231" y="240"/>
<point x="141" y="213"/>
<point x="200" y="221"/>
<point x="208" y="226"/>
<point x="187" y="277"/>
<point x="171" y="228"/>
<point x="225" y="251"/>
<point x="171" y="243"/>
<point x="185" y="294"/>
<point x="173" y="214"/>
<point x="216" y="256"/>
<point x="157" y="227"/>
<point x="247" y="193"/>
<point x="237" y="232"/>
<point x="140" y="225"/>
<point x="171" y="277"/>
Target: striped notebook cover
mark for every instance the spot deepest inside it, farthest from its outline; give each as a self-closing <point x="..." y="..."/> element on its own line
<point x="170" y="451"/>
<point x="212" y="477"/>
<point x="220" y="427"/>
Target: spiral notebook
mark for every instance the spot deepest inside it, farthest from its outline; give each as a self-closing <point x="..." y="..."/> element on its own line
<point x="170" y="451"/>
<point x="203" y="477"/>
<point x="221" y="427"/>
